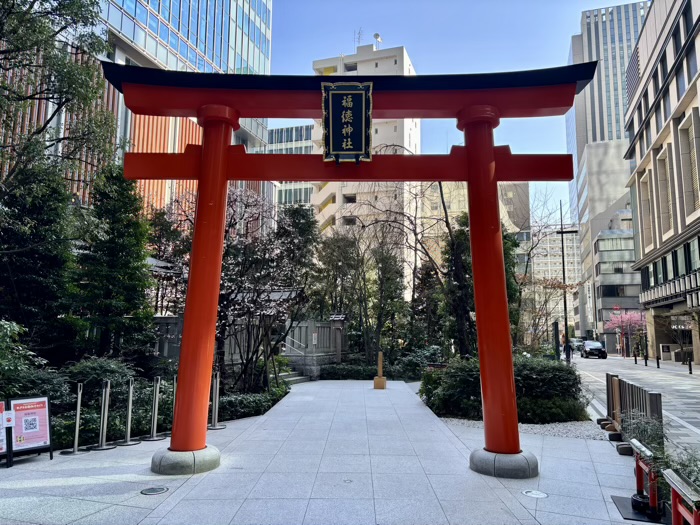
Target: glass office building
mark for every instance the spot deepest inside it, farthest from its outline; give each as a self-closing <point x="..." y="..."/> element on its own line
<point x="210" y="36"/>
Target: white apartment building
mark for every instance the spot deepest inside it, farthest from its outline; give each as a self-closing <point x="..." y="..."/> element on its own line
<point x="663" y="123"/>
<point x="339" y="203"/>
<point x="548" y="278"/>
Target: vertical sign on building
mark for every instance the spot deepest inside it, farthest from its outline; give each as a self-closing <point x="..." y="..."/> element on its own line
<point x="347" y="121"/>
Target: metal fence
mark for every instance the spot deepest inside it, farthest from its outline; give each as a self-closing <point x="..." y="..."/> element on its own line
<point x="624" y="397"/>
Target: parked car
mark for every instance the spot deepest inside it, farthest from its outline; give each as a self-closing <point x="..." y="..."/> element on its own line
<point x="593" y="348"/>
<point x="576" y="344"/>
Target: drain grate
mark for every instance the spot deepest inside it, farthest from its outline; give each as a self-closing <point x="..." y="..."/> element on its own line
<point x="154" y="491"/>
<point x="534" y="494"/>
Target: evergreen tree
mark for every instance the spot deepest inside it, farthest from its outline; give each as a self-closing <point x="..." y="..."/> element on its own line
<point x="50" y="73"/>
<point x="36" y="260"/>
<point x="459" y="285"/>
<point x="427" y="327"/>
<point x="114" y="275"/>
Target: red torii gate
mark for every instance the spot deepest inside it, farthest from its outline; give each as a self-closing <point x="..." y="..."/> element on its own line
<point x="477" y="102"/>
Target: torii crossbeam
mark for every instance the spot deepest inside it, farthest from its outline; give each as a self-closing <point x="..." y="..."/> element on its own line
<point x="477" y="102"/>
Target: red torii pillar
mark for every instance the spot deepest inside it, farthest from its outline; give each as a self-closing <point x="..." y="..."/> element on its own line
<point x="215" y="162"/>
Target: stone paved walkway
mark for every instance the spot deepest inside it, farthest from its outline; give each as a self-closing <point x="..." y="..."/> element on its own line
<point x="332" y="452"/>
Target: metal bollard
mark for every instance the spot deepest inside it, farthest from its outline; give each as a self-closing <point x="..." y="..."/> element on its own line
<point x="635" y="358"/>
<point x="658" y="360"/>
<point x="154" y="413"/>
<point x="646" y="359"/>
<point x="172" y="420"/>
<point x="78" y="404"/>
<point x="129" y="402"/>
<point x="690" y="366"/>
<point x="104" y="414"/>
<point x="215" y="425"/>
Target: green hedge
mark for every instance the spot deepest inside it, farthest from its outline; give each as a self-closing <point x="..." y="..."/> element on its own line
<point x="409" y="366"/>
<point x="60" y="386"/>
<point x="547" y="391"/>
<point x="348" y="371"/>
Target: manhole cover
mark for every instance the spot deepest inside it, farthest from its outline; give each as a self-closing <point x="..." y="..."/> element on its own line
<point x="534" y="494"/>
<point x="154" y="491"/>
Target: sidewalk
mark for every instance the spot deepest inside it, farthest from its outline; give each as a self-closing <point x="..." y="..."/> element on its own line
<point x="331" y="452"/>
<point x="680" y="391"/>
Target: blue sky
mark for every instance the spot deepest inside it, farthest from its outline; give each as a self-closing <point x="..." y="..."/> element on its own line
<point x="441" y="36"/>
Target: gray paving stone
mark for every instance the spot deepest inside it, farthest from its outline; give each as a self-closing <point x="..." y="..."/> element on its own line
<point x="346" y="446"/>
<point x="55" y="511"/>
<point x="231" y="485"/>
<point x="115" y="515"/>
<point x="280" y="485"/>
<point x="345" y="463"/>
<point x="389" y="446"/>
<point x="302" y="447"/>
<point x="584" y="508"/>
<point x="461" y="487"/>
<point x="189" y="512"/>
<point x="257" y="447"/>
<point x="340" y="512"/>
<point x="400" y="486"/>
<point x="347" y="485"/>
<point x="489" y="513"/>
<point x="551" y="518"/>
<point x="396" y="464"/>
<point x="409" y="512"/>
<point x="295" y="463"/>
<point x="575" y="490"/>
<point x="438" y="465"/>
<point x="245" y="462"/>
<point x="271" y="512"/>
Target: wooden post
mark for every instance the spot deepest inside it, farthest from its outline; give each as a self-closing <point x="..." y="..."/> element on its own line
<point x="380" y="380"/>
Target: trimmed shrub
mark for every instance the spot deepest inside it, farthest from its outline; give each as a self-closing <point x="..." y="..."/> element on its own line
<point x="237" y="406"/>
<point x="348" y="371"/>
<point x="547" y="391"/>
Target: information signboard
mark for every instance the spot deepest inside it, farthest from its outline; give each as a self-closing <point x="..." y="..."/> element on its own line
<point x="347" y="121"/>
<point x="31" y="430"/>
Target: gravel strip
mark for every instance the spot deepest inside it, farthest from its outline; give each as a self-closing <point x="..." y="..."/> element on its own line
<point x="572" y="429"/>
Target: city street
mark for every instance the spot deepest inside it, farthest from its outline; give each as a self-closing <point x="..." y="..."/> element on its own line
<point x="680" y="391"/>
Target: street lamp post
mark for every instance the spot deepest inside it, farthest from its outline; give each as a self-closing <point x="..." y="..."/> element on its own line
<point x="563" y="232"/>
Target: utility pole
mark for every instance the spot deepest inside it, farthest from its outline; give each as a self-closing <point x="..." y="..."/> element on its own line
<point x="563" y="232"/>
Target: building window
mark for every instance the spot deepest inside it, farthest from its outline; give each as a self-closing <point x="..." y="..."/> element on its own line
<point x="664" y="66"/>
<point x="689" y="164"/>
<point x="688" y="19"/>
<point x="351" y="67"/>
<point x="692" y="62"/>
<point x="694" y="255"/>
<point x="645" y="212"/>
<point x="376" y="130"/>
<point x="664" y="168"/>
<point x="350" y="199"/>
<point x="677" y="41"/>
<point x="680" y="83"/>
<point x="667" y="105"/>
<point x="396" y="128"/>
<point x="376" y="65"/>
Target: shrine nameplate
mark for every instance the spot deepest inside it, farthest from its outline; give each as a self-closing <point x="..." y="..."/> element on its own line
<point x="347" y="121"/>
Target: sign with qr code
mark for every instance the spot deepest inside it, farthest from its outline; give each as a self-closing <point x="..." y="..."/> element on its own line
<point x="3" y="443"/>
<point x="31" y="428"/>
